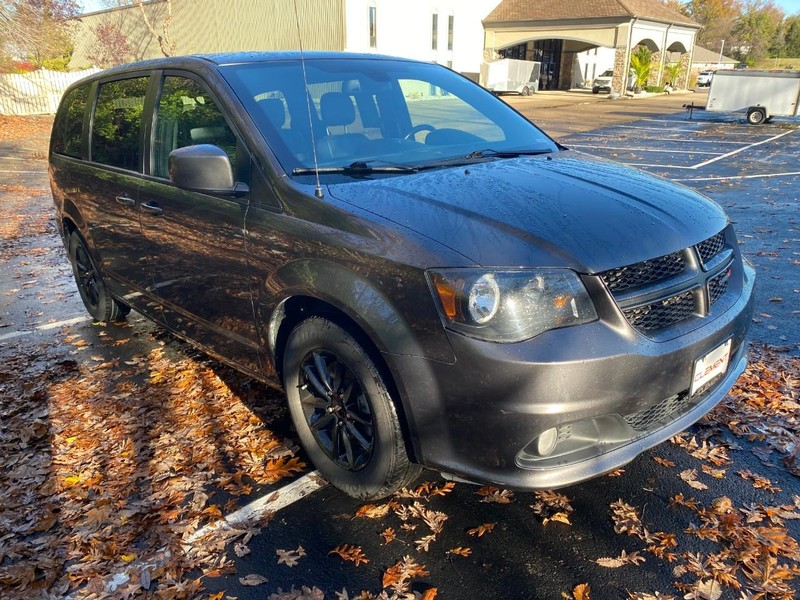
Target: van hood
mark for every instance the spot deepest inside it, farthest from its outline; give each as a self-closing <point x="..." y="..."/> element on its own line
<point x="555" y="210"/>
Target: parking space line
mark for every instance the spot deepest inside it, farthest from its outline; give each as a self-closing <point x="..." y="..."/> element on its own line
<point x="45" y="327"/>
<point x="764" y="176"/>
<point x="12" y="171"/>
<point x="645" y="150"/>
<point x="753" y="145"/>
<point x="271" y="503"/>
<point x="660" y="139"/>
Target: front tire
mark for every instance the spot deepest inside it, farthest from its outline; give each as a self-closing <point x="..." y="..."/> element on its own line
<point x="92" y="288"/>
<point x="595" y="90"/>
<point x="343" y="412"/>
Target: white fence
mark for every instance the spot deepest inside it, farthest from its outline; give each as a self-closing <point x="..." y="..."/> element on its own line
<point x="36" y="93"/>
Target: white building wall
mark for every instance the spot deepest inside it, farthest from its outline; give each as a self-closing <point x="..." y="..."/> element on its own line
<point x="591" y="64"/>
<point x="404" y="28"/>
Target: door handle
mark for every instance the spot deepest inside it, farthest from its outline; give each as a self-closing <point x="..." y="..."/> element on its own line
<point x="125" y="201"/>
<point x="153" y="209"/>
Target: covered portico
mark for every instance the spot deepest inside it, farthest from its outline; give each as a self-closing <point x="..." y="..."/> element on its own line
<point x="553" y="32"/>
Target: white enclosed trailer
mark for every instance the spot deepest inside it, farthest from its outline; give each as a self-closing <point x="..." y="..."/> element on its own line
<point x="761" y="94"/>
<point x="511" y="75"/>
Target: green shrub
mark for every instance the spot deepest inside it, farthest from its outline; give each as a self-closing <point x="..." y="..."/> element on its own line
<point x="654" y="89"/>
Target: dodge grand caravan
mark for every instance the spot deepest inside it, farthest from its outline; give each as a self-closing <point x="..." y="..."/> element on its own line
<point x="432" y="280"/>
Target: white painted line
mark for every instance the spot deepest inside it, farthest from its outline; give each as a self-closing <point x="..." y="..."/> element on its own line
<point x="645" y="150"/>
<point x="4" y="171"/>
<point x="271" y="503"/>
<point x="633" y="164"/>
<point x="15" y="158"/>
<point x="661" y="129"/>
<point x="753" y="145"/>
<point x="681" y="140"/>
<point x="765" y="176"/>
<point x="45" y="327"/>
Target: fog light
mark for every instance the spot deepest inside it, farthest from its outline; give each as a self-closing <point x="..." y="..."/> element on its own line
<point x="546" y="442"/>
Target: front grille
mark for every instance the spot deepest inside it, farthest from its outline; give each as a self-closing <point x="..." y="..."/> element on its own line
<point x="662" y="313"/>
<point x="711" y="247"/>
<point x="644" y="420"/>
<point x="718" y="286"/>
<point x="643" y="273"/>
<point x="634" y="286"/>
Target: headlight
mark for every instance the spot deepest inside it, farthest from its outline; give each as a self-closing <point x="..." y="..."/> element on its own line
<point x="510" y="305"/>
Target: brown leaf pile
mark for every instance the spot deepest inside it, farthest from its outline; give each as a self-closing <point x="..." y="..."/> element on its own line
<point x="108" y="469"/>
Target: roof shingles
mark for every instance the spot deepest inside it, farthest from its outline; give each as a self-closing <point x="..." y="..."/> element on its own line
<point x="550" y="10"/>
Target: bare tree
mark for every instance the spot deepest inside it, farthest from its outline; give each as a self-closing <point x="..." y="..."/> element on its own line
<point x="37" y="29"/>
<point x="111" y="48"/>
<point x="164" y="41"/>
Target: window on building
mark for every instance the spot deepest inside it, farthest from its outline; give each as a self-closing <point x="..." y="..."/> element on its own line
<point x="450" y="21"/>
<point x="435" y="31"/>
<point x="68" y="129"/>
<point x="373" y="27"/>
<point x="117" y="128"/>
<point x="187" y="115"/>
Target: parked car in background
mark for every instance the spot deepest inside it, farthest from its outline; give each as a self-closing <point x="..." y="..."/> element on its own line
<point x="431" y="279"/>
<point x="704" y="78"/>
<point x="602" y="83"/>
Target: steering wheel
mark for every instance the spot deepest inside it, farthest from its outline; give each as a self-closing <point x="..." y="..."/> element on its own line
<point x="418" y="128"/>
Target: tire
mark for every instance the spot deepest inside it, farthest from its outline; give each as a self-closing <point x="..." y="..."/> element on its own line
<point x="92" y="288"/>
<point x="343" y="412"/>
<point x="595" y="90"/>
<point x="756" y="115"/>
<point x="526" y="91"/>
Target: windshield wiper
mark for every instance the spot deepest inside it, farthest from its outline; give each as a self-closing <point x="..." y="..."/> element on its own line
<point x="489" y="153"/>
<point x="359" y="167"/>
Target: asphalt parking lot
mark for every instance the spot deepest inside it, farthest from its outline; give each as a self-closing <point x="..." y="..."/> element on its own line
<point x="663" y="519"/>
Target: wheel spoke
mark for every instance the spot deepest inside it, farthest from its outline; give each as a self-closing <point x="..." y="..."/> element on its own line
<point x="362" y="441"/>
<point x="322" y="421"/>
<point x="348" y="446"/>
<point x="354" y="416"/>
<point x="313" y="401"/>
<point x="312" y="378"/>
<point x="322" y="371"/>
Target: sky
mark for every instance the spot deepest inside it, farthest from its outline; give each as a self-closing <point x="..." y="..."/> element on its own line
<point x="789" y="6"/>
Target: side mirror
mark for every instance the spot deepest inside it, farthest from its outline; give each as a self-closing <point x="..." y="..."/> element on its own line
<point x="202" y="168"/>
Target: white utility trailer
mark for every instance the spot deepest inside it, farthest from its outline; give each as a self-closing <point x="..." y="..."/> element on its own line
<point x="511" y="75"/>
<point x="760" y="94"/>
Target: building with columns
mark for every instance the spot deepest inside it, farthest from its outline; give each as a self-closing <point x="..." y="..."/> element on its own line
<point x="562" y="34"/>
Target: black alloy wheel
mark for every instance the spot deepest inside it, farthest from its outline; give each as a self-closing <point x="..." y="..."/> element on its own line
<point x="337" y="410"/>
<point x="92" y="288"/>
<point x="343" y="411"/>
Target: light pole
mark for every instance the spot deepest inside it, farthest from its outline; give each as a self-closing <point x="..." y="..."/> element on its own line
<point x="719" y="60"/>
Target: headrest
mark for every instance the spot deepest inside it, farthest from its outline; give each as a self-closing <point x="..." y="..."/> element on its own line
<point x="337" y="109"/>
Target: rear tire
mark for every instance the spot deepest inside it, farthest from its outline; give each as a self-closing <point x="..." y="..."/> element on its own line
<point x="343" y="412"/>
<point x="595" y="90"/>
<point x="756" y="115"/>
<point x="92" y="288"/>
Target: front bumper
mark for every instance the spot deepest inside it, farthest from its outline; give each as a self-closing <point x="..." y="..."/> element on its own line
<point x="476" y="419"/>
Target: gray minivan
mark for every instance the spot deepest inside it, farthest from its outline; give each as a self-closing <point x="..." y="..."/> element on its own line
<point x="431" y="279"/>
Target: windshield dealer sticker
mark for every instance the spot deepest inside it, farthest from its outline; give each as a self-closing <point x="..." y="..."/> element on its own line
<point x="710" y="366"/>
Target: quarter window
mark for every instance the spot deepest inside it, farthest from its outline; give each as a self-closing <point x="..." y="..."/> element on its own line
<point x="68" y="128"/>
<point x="117" y="127"/>
<point x="187" y="115"/>
<point x="434" y="31"/>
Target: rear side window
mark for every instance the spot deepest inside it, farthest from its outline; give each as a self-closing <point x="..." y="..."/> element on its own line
<point x="187" y="115"/>
<point x="68" y="128"/>
<point x="117" y="126"/>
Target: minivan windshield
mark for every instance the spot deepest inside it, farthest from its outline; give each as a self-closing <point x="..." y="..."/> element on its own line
<point x="377" y="116"/>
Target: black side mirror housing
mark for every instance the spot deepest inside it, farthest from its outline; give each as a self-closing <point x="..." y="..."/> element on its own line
<point x="202" y="168"/>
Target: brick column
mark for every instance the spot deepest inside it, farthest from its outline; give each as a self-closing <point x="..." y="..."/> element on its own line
<point x="620" y="70"/>
<point x="683" y="78"/>
<point x="655" y="69"/>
